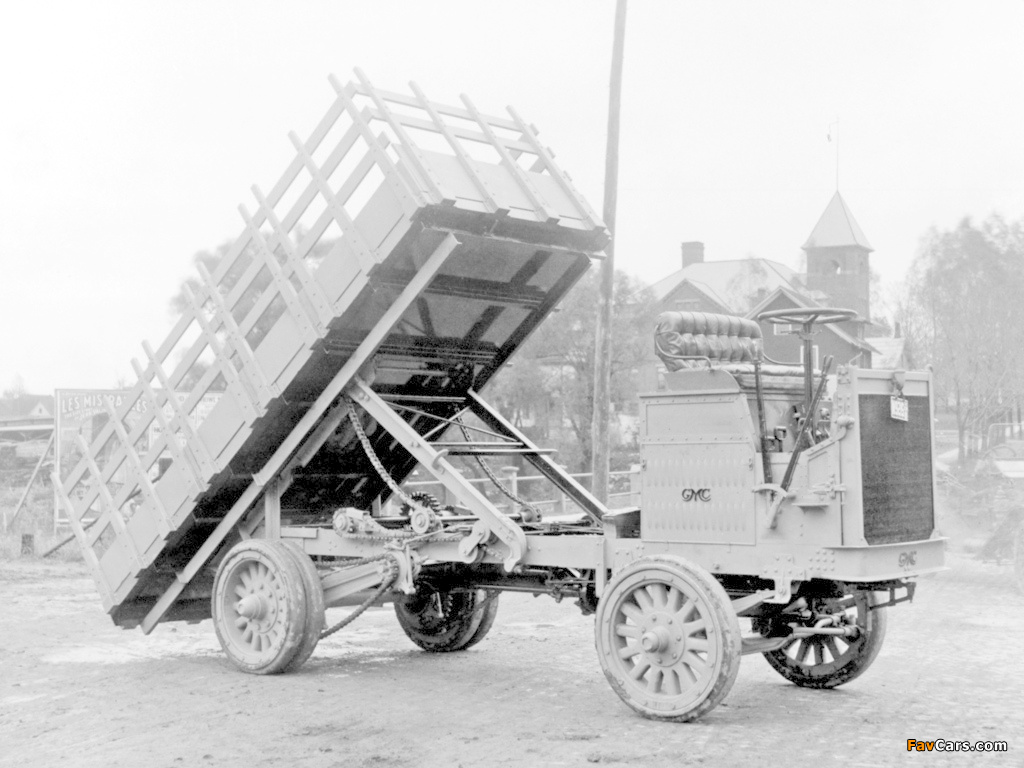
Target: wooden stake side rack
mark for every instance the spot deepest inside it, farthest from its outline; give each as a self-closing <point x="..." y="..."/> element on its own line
<point x="406" y="252"/>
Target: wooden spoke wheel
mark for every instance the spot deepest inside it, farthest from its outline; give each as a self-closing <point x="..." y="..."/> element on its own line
<point x="668" y="639"/>
<point x="259" y="606"/>
<point x="314" y="607"/>
<point x="447" y="621"/>
<point x="827" y="661"/>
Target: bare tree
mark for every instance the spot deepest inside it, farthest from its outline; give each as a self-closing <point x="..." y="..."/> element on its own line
<point x="964" y="314"/>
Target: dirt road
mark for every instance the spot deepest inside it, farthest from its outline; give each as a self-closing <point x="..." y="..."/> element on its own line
<point x="77" y="691"/>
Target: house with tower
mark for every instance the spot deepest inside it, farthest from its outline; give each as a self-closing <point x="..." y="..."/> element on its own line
<point x="837" y="275"/>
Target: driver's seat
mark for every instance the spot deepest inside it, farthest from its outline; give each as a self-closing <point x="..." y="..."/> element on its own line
<point x="702" y="340"/>
<point x="697" y="339"/>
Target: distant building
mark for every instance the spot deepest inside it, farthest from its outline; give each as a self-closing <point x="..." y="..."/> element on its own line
<point x="26" y="423"/>
<point x="838" y="275"/>
<point x="24" y="417"/>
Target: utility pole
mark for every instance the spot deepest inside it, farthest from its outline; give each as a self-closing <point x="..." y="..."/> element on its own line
<point x="603" y="350"/>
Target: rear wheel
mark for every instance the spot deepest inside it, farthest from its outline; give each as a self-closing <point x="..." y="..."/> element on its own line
<point x="827" y="661"/>
<point x="668" y="639"/>
<point x="314" y="607"/>
<point x="447" y="621"/>
<point x="259" y="606"/>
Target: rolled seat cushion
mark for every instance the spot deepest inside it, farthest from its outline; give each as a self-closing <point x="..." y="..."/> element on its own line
<point x="689" y="339"/>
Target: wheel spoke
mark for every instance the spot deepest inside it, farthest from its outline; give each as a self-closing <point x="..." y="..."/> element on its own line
<point x="676" y="598"/>
<point x="627" y="630"/>
<point x="699" y="644"/>
<point x="654" y="681"/>
<point x="629" y="650"/>
<point x="830" y="643"/>
<point x="694" y="661"/>
<point x="803" y="649"/>
<point x="693" y="627"/>
<point x="672" y="684"/>
<point x="632" y="611"/>
<point x="659" y="595"/>
<point x="638" y="671"/>
<point x="695" y="666"/>
<point x="643" y="599"/>
<point x="686" y="611"/>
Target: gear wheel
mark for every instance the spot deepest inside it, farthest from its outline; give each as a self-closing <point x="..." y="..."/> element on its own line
<point x="428" y="500"/>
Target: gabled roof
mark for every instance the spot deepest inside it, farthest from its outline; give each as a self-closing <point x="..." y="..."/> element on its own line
<point x="801" y="300"/>
<point x="26" y="407"/>
<point x="890" y="351"/>
<point x="719" y="280"/>
<point x="837" y="227"/>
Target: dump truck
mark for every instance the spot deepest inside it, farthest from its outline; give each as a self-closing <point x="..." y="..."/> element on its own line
<point x="344" y="340"/>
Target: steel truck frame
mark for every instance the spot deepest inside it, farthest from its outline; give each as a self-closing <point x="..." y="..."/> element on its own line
<point x="407" y="251"/>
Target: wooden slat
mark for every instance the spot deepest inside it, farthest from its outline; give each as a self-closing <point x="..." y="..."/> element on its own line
<point x="515" y="146"/>
<point x="256" y="381"/>
<point x="311" y="289"/>
<point x="140" y="472"/>
<point x="435" y="186"/>
<point x="444" y="109"/>
<point x="309" y="326"/>
<point x="587" y="214"/>
<point x="113" y="513"/>
<point x="178" y="454"/>
<point x="236" y="385"/>
<point x="365" y="255"/>
<point x="514" y="169"/>
<point x="460" y="153"/>
<point x="402" y="183"/>
<point x="179" y="421"/>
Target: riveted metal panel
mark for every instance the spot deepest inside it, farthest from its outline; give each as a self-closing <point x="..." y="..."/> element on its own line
<point x="699" y="493"/>
<point x="695" y="418"/>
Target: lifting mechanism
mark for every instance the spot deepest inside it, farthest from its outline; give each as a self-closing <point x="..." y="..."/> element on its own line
<point x="343" y="341"/>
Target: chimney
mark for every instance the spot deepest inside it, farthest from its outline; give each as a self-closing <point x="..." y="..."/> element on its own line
<point x="693" y="253"/>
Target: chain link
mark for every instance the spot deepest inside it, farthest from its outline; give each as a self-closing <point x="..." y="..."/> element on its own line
<point x="378" y="465"/>
<point x="389" y="578"/>
<point x="493" y="477"/>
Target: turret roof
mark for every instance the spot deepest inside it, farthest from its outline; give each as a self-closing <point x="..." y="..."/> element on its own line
<point x="837" y="227"/>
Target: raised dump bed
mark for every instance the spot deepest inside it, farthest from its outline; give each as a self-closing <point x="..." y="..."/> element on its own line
<point x="412" y="243"/>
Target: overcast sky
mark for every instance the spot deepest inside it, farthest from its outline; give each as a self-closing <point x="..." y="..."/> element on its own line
<point x="130" y="132"/>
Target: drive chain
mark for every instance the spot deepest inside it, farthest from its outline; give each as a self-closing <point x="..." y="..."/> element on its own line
<point x="389" y="578"/>
<point x="378" y="465"/>
<point x="507" y="492"/>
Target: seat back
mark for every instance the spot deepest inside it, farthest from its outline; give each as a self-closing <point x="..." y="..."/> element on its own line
<point x="693" y="339"/>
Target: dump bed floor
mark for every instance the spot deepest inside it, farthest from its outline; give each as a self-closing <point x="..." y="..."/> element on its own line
<point x="385" y="185"/>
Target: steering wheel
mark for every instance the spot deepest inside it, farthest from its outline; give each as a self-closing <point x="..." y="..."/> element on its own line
<point x="807" y="315"/>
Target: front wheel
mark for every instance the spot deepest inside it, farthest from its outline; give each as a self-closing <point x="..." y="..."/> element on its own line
<point x="828" y="661"/>
<point x="668" y="639"/>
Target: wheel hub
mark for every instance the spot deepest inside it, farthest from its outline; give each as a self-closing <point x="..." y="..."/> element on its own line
<point x="661" y="640"/>
<point x="252" y="607"/>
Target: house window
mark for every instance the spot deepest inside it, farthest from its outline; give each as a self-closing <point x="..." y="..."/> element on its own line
<point x="814" y="354"/>
<point x="783" y="329"/>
